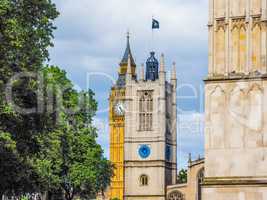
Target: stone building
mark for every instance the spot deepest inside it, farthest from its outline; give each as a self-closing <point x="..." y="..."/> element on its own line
<point x="143" y="130"/>
<point x="117" y="123"/>
<point x="150" y="132"/>
<point x="236" y="91"/>
<point x="143" y="135"/>
<point x="143" y="116"/>
<point x="192" y="189"/>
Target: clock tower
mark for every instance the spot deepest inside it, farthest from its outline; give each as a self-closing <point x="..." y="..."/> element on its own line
<point x="117" y="124"/>
<point x="150" y="131"/>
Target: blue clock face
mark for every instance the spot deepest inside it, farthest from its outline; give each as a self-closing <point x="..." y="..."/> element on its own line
<point x="144" y="151"/>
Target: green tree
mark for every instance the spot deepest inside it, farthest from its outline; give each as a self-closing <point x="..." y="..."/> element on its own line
<point x="25" y="34"/>
<point x="70" y="159"/>
<point x="49" y="148"/>
<point x="182" y="176"/>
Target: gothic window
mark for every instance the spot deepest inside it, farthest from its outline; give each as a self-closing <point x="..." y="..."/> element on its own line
<point x="169" y="107"/>
<point x="220" y="48"/>
<point x="145" y="111"/>
<point x="200" y="179"/>
<point x="239" y="47"/>
<point x="143" y="180"/>
<point x="242" y="48"/>
<point x="235" y="43"/>
<point x="256" y="45"/>
<point x="176" y="195"/>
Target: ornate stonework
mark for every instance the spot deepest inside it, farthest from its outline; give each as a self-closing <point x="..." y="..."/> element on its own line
<point x="192" y="189"/>
<point x="150" y="133"/>
<point x="236" y="91"/>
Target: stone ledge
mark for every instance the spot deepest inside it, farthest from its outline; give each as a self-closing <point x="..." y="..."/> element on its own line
<point x="240" y="181"/>
<point x="253" y="76"/>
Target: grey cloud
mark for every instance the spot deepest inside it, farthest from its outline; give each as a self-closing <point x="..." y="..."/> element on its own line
<point x="91" y="38"/>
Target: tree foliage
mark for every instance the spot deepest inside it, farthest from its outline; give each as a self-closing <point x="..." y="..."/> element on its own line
<point x="70" y="158"/>
<point x="25" y="34"/>
<point x="53" y="147"/>
<point x="182" y="176"/>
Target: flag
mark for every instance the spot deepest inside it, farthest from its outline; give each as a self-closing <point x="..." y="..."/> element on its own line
<point x="155" y="24"/>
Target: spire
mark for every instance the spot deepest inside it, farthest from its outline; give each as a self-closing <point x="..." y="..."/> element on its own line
<point x="162" y="73"/>
<point x="129" y="62"/>
<point x="142" y="73"/>
<point x="190" y="158"/>
<point x="129" y="71"/>
<point x="162" y="63"/>
<point x="173" y="74"/>
<point x="127" y="53"/>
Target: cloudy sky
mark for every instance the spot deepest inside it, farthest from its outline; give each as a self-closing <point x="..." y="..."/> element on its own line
<point x="90" y="40"/>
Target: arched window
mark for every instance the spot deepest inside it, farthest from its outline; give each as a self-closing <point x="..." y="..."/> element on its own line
<point x="242" y="48"/>
<point x="200" y="179"/>
<point x="220" y="49"/>
<point x="143" y="180"/>
<point x="239" y="46"/>
<point x="176" y="195"/>
<point x="235" y="49"/>
<point x="256" y="46"/>
<point x="145" y="111"/>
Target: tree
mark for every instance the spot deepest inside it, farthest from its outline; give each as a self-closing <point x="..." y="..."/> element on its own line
<point x="53" y="147"/>
<point x="70" y="159"/>
<point x="182" y="176"/>
<point x="25" y="35"/>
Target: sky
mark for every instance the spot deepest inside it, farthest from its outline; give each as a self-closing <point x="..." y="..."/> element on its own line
<point x="90" y="41"/>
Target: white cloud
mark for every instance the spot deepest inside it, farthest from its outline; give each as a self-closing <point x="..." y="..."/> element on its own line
<point x="97" y="28"/>
<point x="91" y="38"/>
<point x="102" y="126"/>
<point x="190" y="137"/>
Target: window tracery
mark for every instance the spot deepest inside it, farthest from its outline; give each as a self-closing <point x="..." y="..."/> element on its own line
<point x="146" y="111"/>
<point x="176" y="195"/>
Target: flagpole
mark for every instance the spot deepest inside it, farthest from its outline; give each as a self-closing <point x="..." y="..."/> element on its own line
<point x="152" y="39"/>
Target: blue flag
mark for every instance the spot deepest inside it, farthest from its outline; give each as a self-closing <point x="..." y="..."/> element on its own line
<point x="155" y="24"/>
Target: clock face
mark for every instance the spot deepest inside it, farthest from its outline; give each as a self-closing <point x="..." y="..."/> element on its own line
<point x="144" y="151"/>
<point x="119" y="108"/>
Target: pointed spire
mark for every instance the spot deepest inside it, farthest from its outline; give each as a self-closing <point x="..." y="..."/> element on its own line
<point x="129" y="70"/>
<point x="127" y="52"/>
<point x="162" y="63"/>
<point x="189" y="158"/>
<point x="142" y="72"/>
<point x="173" y="74"/>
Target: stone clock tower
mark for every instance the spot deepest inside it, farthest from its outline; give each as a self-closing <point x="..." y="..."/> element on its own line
<point x="150" y="131"/>
<point x="117" y="124"/>
<point x="236" y="104"/>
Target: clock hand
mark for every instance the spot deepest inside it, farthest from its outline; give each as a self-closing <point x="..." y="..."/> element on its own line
<point x="120" y="108"/>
